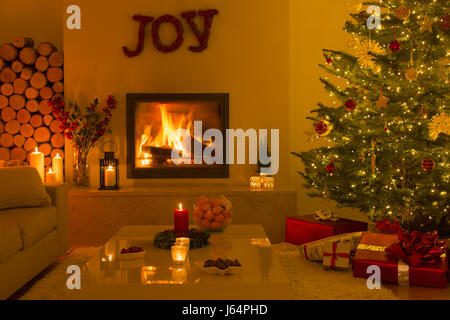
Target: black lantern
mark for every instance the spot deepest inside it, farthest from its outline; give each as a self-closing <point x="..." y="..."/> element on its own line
<point x="109" y="168"/>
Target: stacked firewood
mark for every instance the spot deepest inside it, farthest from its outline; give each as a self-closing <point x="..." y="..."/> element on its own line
<point x="29" y="78"/>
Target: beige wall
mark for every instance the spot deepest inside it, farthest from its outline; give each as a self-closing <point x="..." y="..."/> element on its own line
<point x="38" y="19"/>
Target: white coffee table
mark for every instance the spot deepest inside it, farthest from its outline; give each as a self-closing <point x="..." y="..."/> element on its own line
<point x="155" y="277"/>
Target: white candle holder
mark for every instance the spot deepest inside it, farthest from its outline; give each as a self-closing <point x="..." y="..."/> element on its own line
<point x="179" y="275"/>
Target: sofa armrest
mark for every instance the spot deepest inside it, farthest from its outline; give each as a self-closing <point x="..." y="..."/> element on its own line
<point x="60" y="197"/>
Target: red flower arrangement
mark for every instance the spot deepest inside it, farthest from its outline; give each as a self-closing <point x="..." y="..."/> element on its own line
<point x="83" y="129"/>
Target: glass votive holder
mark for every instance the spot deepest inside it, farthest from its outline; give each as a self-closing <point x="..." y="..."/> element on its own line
<point x="179" y="275"/>
<point x="179" y="254"/>
<point x="255" y="183"/>
<point x="269" y="183"/>
<point x="183" y="242"/>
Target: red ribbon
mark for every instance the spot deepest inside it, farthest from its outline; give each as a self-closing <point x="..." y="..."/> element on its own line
<point x="416" y="248"/>
<point x="334" y="255"/>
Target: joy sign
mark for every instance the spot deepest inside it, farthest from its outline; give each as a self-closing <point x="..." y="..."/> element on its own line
<point x="202" y="36"/>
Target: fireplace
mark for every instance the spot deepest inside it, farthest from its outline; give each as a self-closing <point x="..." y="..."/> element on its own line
<point x="152" y="123"/>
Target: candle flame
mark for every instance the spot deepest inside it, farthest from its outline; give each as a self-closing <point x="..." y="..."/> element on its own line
<point x="181" y="206"/>
<point x="36" y="150"/>
<point x="110" y="257"/>
<point x="50" y="170"/>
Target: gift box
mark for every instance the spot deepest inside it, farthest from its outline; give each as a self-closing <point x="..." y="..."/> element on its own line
<point x="305" y="229"/>
<point x="336" y="255"/>
<point x="372" y="251"/>
<point x="313" y="251"/>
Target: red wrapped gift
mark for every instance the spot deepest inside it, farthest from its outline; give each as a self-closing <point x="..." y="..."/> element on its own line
<point x="304" y="229"/>
<point x="372" y="251"/>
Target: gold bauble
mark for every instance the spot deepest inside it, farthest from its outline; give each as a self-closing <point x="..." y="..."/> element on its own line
<point x="411" y="74"/>
<point x="376" y="69"/>
<point x="402" y="12"/>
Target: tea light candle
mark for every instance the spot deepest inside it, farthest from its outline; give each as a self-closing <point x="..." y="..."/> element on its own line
<point x="255" y="183"/>
<point x="181" y="220"/>
<point x="269" y="183"/>
<point x="179" y="254"/>
<point x="50" y="176"/>
<point x="57" y="164"/>
<point x="110" y="177"/>
<point x="37" y="162"/>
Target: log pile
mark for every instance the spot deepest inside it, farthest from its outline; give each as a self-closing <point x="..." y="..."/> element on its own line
<point x="29" y="77"/>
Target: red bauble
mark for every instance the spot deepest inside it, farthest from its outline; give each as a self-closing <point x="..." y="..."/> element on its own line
<point x="350" y="105"/>
<point x="444" y="22"/>
<point x="395" y="45"/>
<point x="428" y="164"/>
<point x="329" y="60"/>
<point x="322" y="127"/>
<point x="330" y="167"/>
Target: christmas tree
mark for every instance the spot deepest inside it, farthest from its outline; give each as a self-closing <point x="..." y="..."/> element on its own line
<point x="388" y="143"/>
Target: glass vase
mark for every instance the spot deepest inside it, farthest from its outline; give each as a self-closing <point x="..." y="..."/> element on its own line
<point x="80" y="170"/>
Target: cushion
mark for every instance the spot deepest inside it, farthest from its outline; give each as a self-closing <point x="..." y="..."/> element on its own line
<point x="21" y="187"/>
<point x="10" y="241"/>
<point x="34" y="223"/>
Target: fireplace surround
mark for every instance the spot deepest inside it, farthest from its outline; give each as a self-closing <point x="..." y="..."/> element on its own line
<point x="152" y="118"/>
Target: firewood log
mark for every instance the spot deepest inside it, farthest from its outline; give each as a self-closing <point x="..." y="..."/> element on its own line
<point x="2" y="64"/>
<point x="20" y="86"/>
<point x="30" y="145"/>
<point x="18" y="154"/>
<point x="41" y="63"/>
<point x="32" y="105"/>
<point x="8" y="52"/>
<point x="8" y="113"/>
<point x="54" y="74"/>
<point x="7" y="89"/>
<point x="55" y="126"/>
<point x="58" y="87"/>
<point x="45" y="148"/>
<point x="44" y="108"/>
<point x="23" y="116"/>
<point x="19" y="140"/>
<point x="7" y="75"/>
<point x="38" y="80"/>
<point x="45" y="49"/>
<point x="36" y="120"/>
<point x="2" y="127"/>
<point x="47" y="162"/>
<point x="31" y="93"/>
<point x="48" y="120"/>
<point x="56" y="152"/>
<point x="12" y="126"/>
<point x="17" y="101"/>
<point x="28" y="55"/>
<point x="56" y="59"/>
<point x="26" y="130"/>
<point x="20" y="42"/>
<point x="26" y="73"/>
<point x="41" y="134"/>
<point x="58" y="96"/>
<point x="4" y="102"/>
<point x="4" y="154"/>
<point x="46" y="93"/>
<point x="6" y="140"/>
<point x="57" y="140"/>
<point x="17" y="66"/>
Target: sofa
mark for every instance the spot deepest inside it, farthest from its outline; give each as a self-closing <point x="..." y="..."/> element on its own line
<point x="34" y="228"/>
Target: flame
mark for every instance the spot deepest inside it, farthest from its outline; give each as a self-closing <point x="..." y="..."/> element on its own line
<point x="165" y="137"/>
<point x="180" y="206"/>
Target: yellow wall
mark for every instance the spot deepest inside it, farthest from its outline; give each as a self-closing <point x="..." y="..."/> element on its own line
<point x="248" y="56"/>
<point x="38" y="19"/>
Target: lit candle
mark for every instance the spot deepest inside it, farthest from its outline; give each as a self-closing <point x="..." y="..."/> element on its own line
<point x="37" y="162"/>
<point x="110" y="177"/>
<point x="179" y="254"/>
<point x="57" y="164"/>
<point x="50" y="176"/>
<point x="255" y="183"/>
<point x="181" y="220"/>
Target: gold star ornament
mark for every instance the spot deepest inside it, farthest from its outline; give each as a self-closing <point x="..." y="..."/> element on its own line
<point x="426" y="24"/>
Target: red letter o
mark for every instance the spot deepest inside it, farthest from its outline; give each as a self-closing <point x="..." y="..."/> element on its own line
<point x="157" y="40"/>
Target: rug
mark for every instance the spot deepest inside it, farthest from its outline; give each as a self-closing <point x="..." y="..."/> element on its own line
<point x="308" y="280"/>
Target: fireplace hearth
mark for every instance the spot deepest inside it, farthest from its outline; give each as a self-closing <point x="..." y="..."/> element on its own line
<point x="152" y="123"/>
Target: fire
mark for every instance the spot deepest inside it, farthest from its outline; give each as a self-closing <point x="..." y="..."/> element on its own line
<point x="165" y="138"/>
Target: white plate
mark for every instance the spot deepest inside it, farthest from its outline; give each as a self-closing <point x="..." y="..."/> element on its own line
<point x="132" y="256"/>
<point x="217" y="271"/>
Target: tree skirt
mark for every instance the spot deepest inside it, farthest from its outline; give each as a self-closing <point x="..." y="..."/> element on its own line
<point x="308" y="280"/>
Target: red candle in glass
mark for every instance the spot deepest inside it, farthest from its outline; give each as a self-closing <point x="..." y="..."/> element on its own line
<point x="181" y="220"/>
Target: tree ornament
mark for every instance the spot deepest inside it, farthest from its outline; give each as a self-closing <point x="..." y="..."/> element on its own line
<point x="395" y="45"/>
<point x="376" y="68"/>
<point x="423" y="112"/>
<point x="350" y="105"/>
<point x="411" y="74"/>
<point x="402" y="12"/>
<point x="444" y="22"/>
<point x="439" y="123"/>
<point x="386" y="129"/>
<point x="382" y="101"/>
<point x="329" y="60"/>
<point x="364" y="50"/>
<point x="428" y="164"/>
<point x="323" y="128"/>
<point x="331" y="167"/>
<point x="426" y="24"/>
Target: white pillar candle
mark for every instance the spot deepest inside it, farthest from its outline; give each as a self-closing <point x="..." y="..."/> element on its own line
<point x="37" y="162"/>
<point x="57" y="164"/>
<point x="110" y="177"/>
<point x="50" y="176"/>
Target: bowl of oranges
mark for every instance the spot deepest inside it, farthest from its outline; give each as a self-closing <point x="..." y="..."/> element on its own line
<point x="212" y="214"/>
